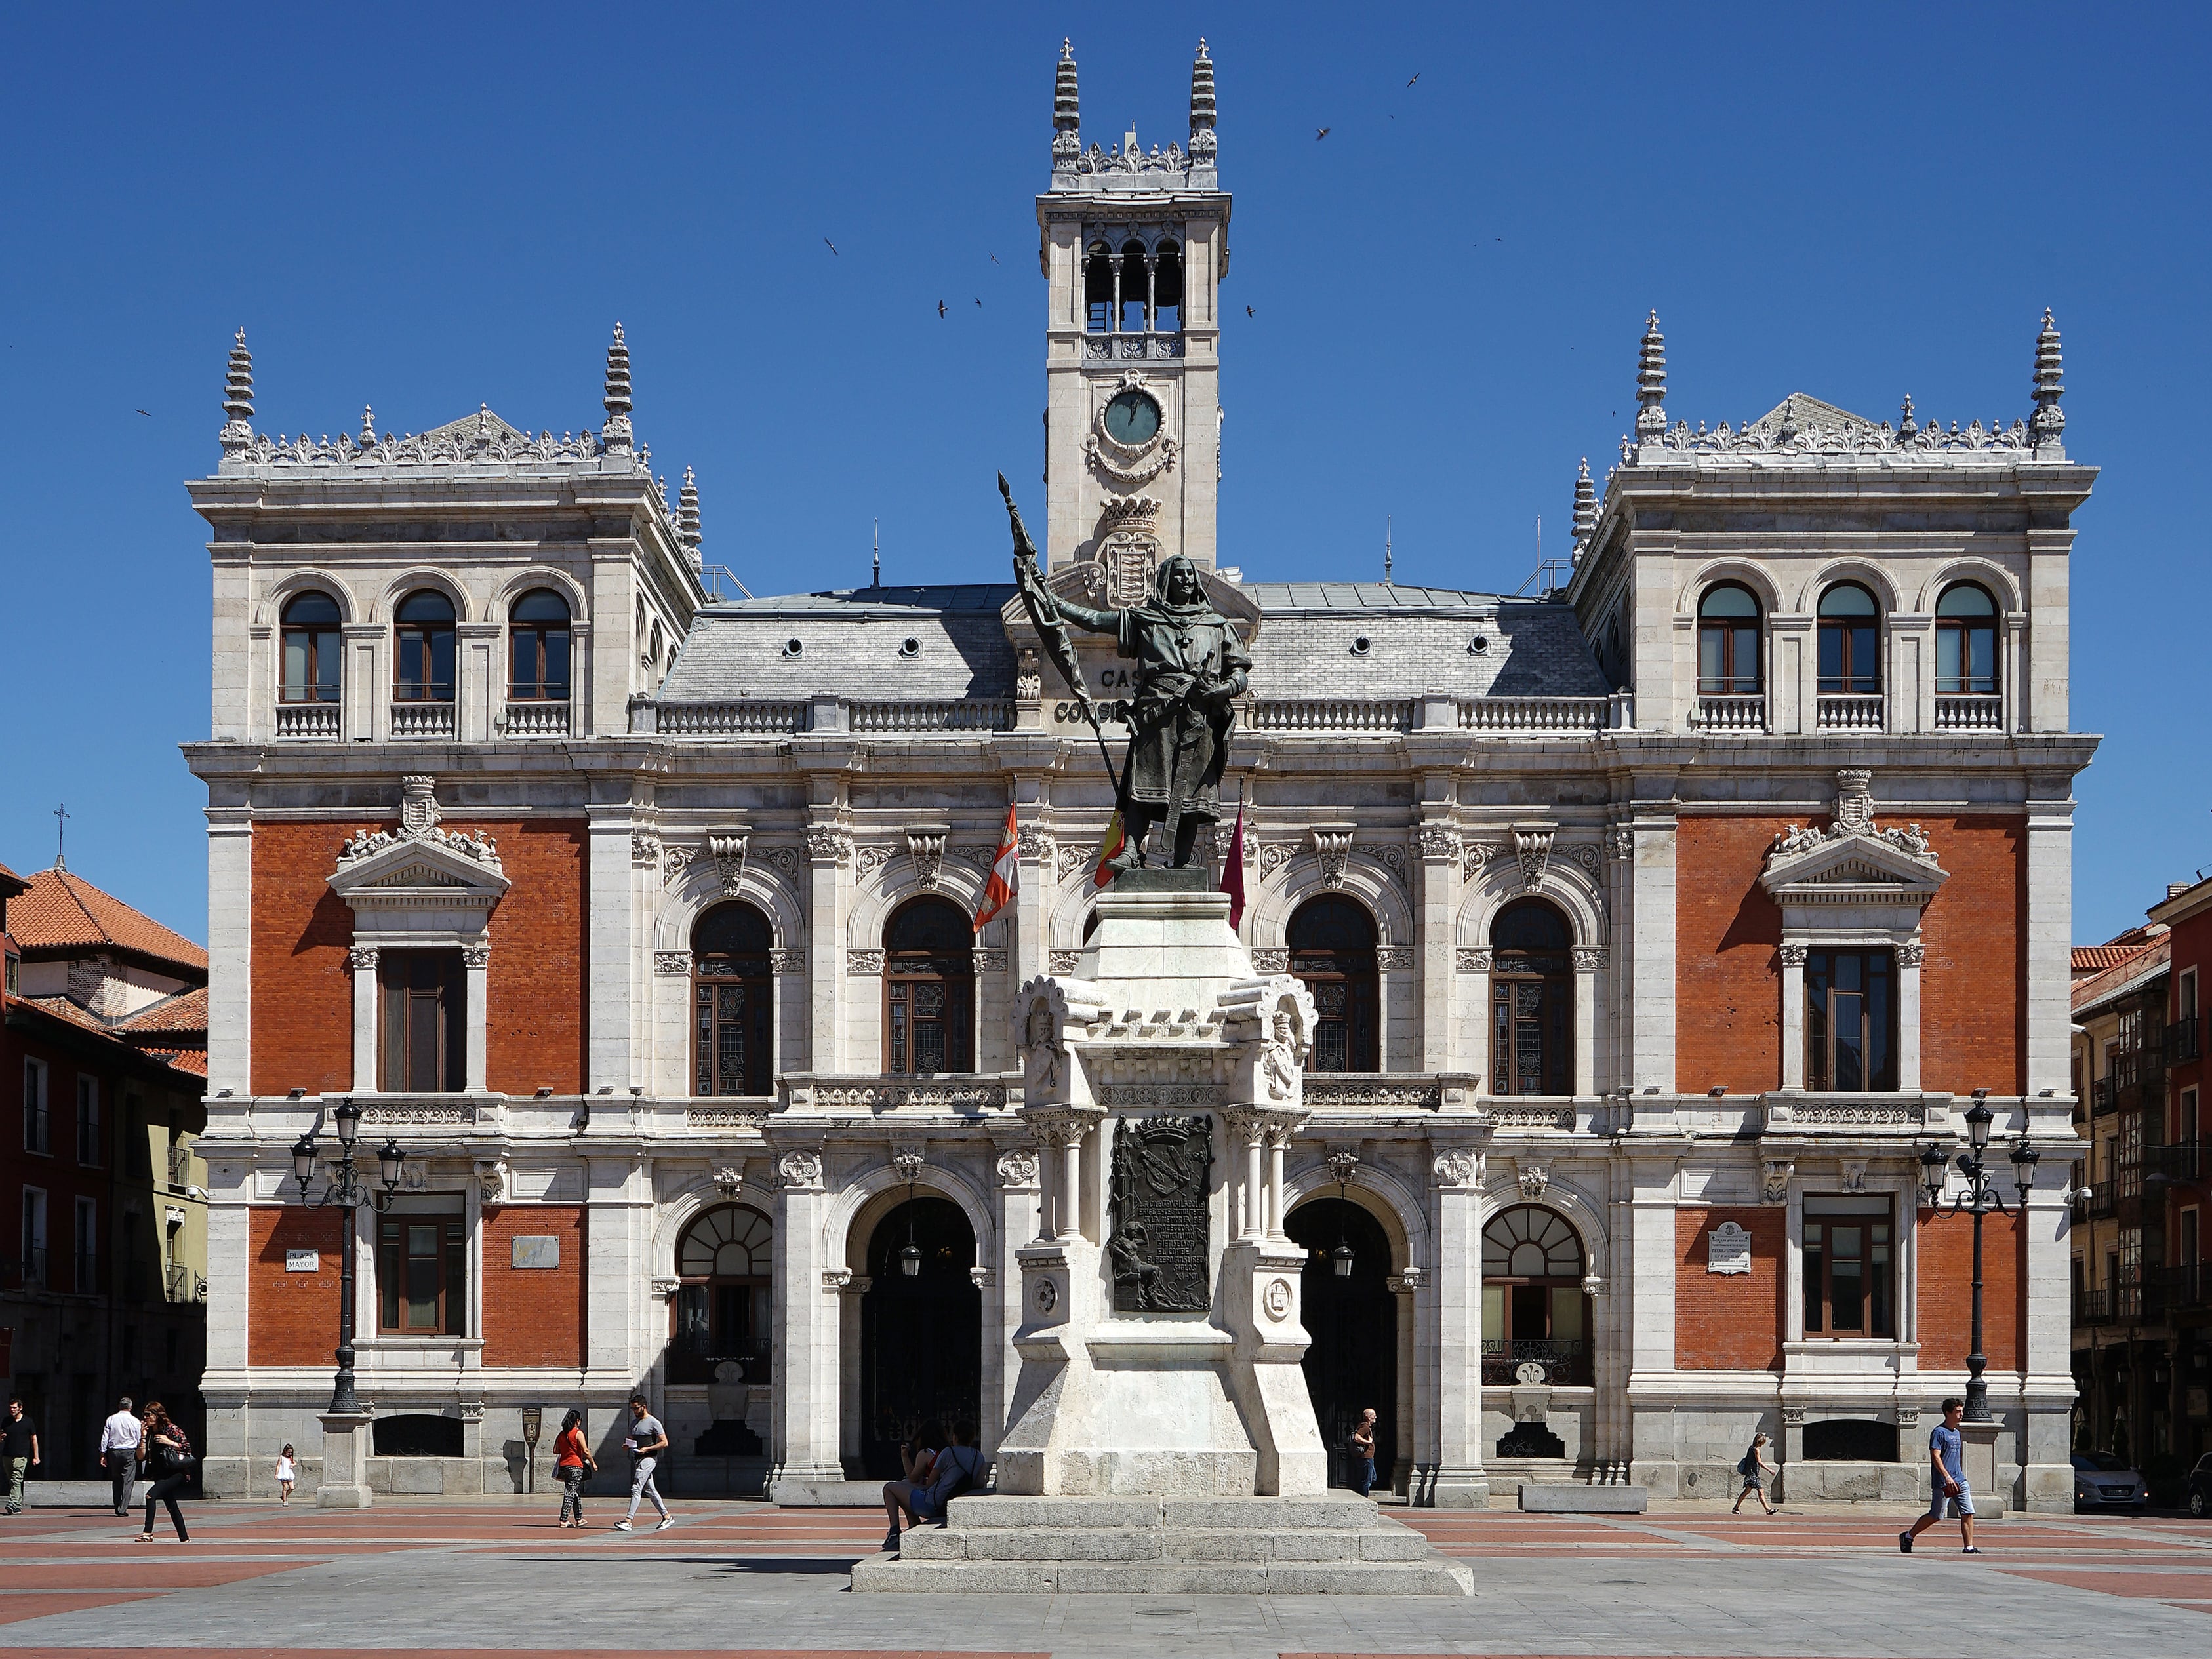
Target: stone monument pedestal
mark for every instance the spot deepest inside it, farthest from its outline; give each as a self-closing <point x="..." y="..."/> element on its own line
<point x="1977" y="1456"/>
<point x="1160" y="1436"/>
<point x="345" y="1484"/>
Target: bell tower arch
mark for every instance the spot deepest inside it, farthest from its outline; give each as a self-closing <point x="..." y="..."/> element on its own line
<point x="1133" y="244"/>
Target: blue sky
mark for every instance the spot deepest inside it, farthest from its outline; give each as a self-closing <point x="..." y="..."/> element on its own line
<point x="426" y="209"/>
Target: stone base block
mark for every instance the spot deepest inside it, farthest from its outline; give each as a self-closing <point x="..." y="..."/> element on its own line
<point x="1571" y="1497"/>
<point x="1135" y="1547"/>
<point x="788" y="1493"/>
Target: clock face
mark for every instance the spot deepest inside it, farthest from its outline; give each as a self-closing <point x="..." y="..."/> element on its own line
<point x="1133" y="418"/>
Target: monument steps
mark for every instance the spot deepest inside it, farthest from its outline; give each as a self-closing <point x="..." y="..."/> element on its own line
<point x="1150" y="1546"/>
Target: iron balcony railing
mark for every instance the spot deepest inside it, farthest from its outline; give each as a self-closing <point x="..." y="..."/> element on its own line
<point x="179" y="1281"/>
<point x="33" y="1268"/>
<point x="2100" y="1198"/>
<point x="181" y="1166"/>
<point x="2185" y="1041"/>
<point x="2184" y="1160"/>
<point x="1565" y="1363"/>
<point x="2104" y="1096"/>
<point x="2169" y="1292"/>
<point x="2093" y="1305"/>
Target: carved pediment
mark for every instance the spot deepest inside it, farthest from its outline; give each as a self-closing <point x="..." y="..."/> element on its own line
<point x="1851" y="869"/>
<point x="431" y="870"/>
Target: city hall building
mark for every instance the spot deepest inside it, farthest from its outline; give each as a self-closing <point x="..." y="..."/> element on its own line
<point x="1653" y="927"/>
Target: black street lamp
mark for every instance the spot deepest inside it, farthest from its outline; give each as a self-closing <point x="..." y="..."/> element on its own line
<point x="1980" y="1198"/>
<point x="348" y="1192"/>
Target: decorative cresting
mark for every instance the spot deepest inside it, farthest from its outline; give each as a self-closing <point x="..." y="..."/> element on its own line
<point x="1853" y="861"/>
<point x="418" y="827"/>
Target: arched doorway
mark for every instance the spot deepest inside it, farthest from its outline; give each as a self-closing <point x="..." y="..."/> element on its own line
<point x="725" y="1302"/>
<point x="929" y="989"/>
<point x="1353" y="1361"/>
<point x="921" y="1333"/>
<point x="1535" y="1312"/>
<point x="732" y="1003"/>
<point x="1532" y="1001"/>
<point x="1332" y="949"/>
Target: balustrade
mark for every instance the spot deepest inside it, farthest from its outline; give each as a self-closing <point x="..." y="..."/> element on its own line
<point x="306" y="720"/>
<point x="1978" y="713"/>
<point x="538" y="720"/>
<point x="1330" y="714"/>
<point x="1851" y="712"/>
<point x="1535" y="713"/>
<point x="422" y="719"/>
<point x="912" y="714"/>
<point x="1731" y="714"/>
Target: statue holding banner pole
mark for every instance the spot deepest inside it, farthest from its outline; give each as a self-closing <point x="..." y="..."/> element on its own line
<point x="1191" y="667"/>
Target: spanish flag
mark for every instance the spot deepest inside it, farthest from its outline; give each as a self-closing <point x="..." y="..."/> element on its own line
<point x="1005" y="874"/>
<point x="1108" y="849"/>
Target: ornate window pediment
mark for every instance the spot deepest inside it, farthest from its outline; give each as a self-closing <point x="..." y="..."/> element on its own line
<point x="419" y="866"/>
<point x="1853" y="861"/>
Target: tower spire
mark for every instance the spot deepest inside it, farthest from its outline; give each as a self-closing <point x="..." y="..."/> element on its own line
<point x="1067" y="113"/>
<point x="1651" y="382"/>
<point x="238" y="398"/>
<point x="687" y="513"/>
<point x="615" y="439"/>
<point x="2048" y="424"/>
<point x="1585" y="507"/>
<point x="1202" y="109"/>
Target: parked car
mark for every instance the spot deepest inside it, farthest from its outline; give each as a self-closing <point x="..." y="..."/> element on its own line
<point x="2200" y="1487"/>
<point x="2102" y="1481"/>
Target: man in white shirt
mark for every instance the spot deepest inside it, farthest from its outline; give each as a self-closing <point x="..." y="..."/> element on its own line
<point x="118" y="1451"/>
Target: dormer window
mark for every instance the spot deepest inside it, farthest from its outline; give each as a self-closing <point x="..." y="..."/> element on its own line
<point x="422" y="658"/>
<point x="312" y="652"/>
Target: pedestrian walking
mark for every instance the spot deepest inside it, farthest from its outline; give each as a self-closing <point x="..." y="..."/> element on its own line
<point x="169" y="1459"/>
<point x="1754" y="1468"/>
<point x="646" y="1441"/>
<point x="118" y="1453"/>
<point x="19" y="1444"/>
<point x="1946" y="1481"/>
<point x="574" y="1463"/>
<point x="1363" y="1454"/>
<point x="288" y="1474"/>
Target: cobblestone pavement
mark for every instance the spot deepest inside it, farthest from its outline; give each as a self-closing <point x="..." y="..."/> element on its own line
<point x="741" y="1581"/>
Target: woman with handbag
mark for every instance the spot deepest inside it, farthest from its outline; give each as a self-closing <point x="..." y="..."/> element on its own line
<point x="574" y="1462"/>
<point x="169" y="1459"/>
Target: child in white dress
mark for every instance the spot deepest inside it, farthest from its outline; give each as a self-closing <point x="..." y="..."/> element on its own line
<point x="287" y="1473"/>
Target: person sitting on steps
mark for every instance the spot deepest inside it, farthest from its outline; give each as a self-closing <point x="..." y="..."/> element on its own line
<point x="958" y="1468"/>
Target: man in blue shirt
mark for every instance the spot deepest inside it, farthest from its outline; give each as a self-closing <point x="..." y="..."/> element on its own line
<point x="1946" y="1481"/>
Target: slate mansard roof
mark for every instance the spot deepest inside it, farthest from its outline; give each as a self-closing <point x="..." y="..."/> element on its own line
<point x="950" y="642"/>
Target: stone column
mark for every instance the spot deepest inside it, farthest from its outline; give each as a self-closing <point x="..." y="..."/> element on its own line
<point x="828" y="851"/>
<point x="1909" y="956"/>
<point x="476" y="966"/>
<point x="1652" y="1022"/>
<point x="1590" y="961"/>
<point x="619" y="1337"/>
<point x="362" y="959"/>
<point x="230" y="946"/>
<point x="363" y="694"/>
<point x="613" y="942"/>
<point x="481" y="691"/>
<point x="1439" y="850"/>
<point x="1416" y="1402"/>
<point x="1793" y="1014"/>
<point x="1016" y="1168"/>
<point x="1457" y="1173"/>
<point x="2050" y="929"/>
<point x="810" y="1289"/>
<point x="1473" y="967"/>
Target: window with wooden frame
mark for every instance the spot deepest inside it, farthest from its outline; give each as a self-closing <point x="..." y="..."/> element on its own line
<point x="732" y="1003"/>
<point x="1532" y="1001"/>
<point x="1848" y="1270"/>
<point x="725" y="1304"/>
<point x="423" y="648"/>
<point x="423" y="1270"/>
<point x="313" y="650"/>
<point x="423" y="1037"/>
<point x="34" y="1105"/>
<point x="538" y="647"/>
<point x="88" y="1121"/>
<point x="1534" y="1308"/>
<point x="1332" y="949"/>
<point x="1850" y="641"/>
<point x="1965" y="641"/>
<point x="1850" y="1021"/>
<point x="929" y="989"/>
<point x="1728" y="642"/>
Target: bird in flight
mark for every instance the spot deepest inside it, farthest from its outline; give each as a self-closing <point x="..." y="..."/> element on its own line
<point x="940" y="308"/>
<point x="832" y="246"/>
<point x="144" y="412"/>
<point x="994" y="258"/>
<point x="1248" y="312"/>
<point x="1416" y="77"/>
<point x="1322" y="134"/>
<point x="979" y="305"/>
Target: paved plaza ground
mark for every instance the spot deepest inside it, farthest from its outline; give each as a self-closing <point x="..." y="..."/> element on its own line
<point x="742" y="1580"/>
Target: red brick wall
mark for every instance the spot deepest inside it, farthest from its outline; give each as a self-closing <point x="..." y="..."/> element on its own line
<point x="1974" y="1011"/>
<point x="533" y="1316"/>
<point x="291" y="1319"/>
<point x="1730" y="1321"/>
<point x="1946" y="1292"/>
<point x="1728" y="1005"/>
<point x="303" y="996"/>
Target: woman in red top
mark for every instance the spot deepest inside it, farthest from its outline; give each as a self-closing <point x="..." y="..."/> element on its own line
<point x="574" y="1462"/>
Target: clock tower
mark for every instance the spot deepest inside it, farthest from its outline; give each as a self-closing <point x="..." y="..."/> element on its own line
<point x="1133" y="244"/>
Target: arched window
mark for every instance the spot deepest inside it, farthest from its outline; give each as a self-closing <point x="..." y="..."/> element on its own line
<point x="1136" y="289"/>
<point x="929" y="989"/>
<point x="1098" y="288"/>
<point x="732" y="1003"/>
<point x="312" y="652"/>
<point x="1727" y="641"/>
<point x="1167" y="289"/>
<point x="1532" y="1001"/>
<point x="538" y="647"/>
<point x="1965" y="641"/>
<point x="1331" y="945"/>
<point x="422" y="663"/>
<point x="726" y="1298"/>
<point x="1534" y="1310"/>
<point x="1851" y="650"/>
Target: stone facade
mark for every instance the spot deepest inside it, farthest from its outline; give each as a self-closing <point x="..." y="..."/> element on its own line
<point x="1700" y="850"/>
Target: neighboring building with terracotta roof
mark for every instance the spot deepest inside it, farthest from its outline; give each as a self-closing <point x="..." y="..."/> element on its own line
<point x="103" y="1207"/>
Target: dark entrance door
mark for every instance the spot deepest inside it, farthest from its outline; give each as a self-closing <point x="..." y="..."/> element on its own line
<point x="1353" y="1362"/>
<point x="921" y="1336"/>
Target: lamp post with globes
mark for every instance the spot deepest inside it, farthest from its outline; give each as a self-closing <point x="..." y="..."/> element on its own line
<point x="346" y="1191"/>
<point x="1980" y="1198"/>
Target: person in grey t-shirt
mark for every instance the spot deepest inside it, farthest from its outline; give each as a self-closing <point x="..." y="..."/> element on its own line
<point x="1946" y="1478"/>
<point x="647" y="1441"/>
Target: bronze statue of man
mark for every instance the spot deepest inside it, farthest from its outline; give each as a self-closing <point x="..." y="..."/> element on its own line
<point x="1190" y="667"/>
